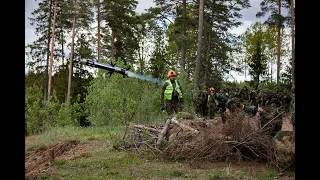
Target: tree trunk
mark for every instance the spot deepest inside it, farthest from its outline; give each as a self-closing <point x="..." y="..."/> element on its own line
<point x="164" y="131"/>
<point x="183" y="29"/>
<point x="184" y="127"/>
<point x="112" y="45"/>
<point x="245" y="70"/>
<point x="48" y="54"/>
<point x="178" y="55"/>
<point x="279" y="44"/>
<point x="62" y="45"/>
<point x="142" y="61"/>
<point x="271" y="63"/>
<point x="200" y="32"/>
<point x="206" y="76"/>
<point x="292" y="44"/>
<point x="52" y="48"/>
<point x="98" y="30"/>
<point x="72" y="51"/>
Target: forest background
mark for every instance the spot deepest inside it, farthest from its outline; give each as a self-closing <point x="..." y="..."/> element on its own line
<point x="208" y="43"/>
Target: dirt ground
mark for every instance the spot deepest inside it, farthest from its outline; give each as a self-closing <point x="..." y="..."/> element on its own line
<point x="38" y="161"/>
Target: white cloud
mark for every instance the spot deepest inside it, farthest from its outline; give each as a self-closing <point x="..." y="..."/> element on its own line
<point x="144" y="4"/>
<point x="241" y="29"/>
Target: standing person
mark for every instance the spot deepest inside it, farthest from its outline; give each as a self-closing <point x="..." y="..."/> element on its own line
<point x="171" y="97"/>
<point x="244" y="94"/>
<point x="204" y="104"/>
<point x="253" y="97"/>
<point x="197" y="102"/>
<point x="211" y="103"/>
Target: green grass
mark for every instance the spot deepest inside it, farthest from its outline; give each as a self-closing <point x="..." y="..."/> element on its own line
<point x="59" y="134"/>
<point x="108" y="163"/>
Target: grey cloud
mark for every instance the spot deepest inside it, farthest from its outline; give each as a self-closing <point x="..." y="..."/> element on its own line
<point x="29" y="36"/>
<point x="30" y="6"/>
<point x="249" y="14"/>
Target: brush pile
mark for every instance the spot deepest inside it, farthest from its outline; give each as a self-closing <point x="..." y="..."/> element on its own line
<point x="241" y="138"/>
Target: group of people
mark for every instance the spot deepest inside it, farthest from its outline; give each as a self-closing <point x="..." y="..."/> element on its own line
<point x="171" y="99"/>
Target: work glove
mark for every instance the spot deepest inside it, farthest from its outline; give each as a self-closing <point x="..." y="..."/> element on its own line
<point x="162" y="107"/>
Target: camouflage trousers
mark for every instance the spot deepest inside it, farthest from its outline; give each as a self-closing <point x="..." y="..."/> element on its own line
<point x="173" y="107"/>
<point x="211" y="110"/>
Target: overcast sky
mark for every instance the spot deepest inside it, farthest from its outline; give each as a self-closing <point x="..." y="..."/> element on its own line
<point x="248" y="17"/>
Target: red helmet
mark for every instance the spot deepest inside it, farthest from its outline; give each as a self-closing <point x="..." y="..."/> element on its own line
<point x="211" y="89"/>
<point x="171" y="73"/>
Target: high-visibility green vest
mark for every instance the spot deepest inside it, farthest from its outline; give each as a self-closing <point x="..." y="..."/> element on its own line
<point x="209" y="98"/>
<point x="212" y="98"/>
<point x="169" y="90"/>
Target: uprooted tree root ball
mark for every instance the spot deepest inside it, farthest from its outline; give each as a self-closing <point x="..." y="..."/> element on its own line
<point x="241" y="138"/>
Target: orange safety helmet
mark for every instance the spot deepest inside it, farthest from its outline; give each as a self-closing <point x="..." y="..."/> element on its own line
<point x="211" y="89"/>
<point x="171" y="73"/>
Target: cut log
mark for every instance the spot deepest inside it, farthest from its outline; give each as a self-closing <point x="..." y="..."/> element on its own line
<point x="287" y="124"/>
<point x="285" y="143"/>
<point x="164" y="130"/>
<point x="184" y="127"/>
<point x="147" y="128"/>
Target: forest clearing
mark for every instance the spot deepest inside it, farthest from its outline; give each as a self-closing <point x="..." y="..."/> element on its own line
<point x="113" y="93"/>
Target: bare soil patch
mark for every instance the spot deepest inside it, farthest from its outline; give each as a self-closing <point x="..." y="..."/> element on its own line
<point x="38" y="161"/>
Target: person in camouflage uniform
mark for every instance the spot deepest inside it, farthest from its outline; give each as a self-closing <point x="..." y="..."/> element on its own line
<point x="197" y="102"/>
<point x="221" y="104"/>
<point x="244" y="94"/>
<point x="253" y="97"/>
<point x="171" y="97"/>
<point x="236" y="93"/>
<point x="226" y="92"/>
<point x="204" y="103"/>
<point x="211" y="103"/>
<point x="261" y="97"/>
<point x="200" y="103"/>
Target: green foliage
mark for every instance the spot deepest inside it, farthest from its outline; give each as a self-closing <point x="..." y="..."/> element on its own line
<point x="272" y="86"/>
<point x="187" y="87"/>
<point x="229" y="85"/>
<point x="38" y="114"/>
<point x="42" y="115"/>
<point x="34" y="79"/>
<point x="286" y="76"/>
<point x="60" y="83"/>
<point x="271" y="6"/>
<point x="67" y="115"/>
<point x="256" y="40"/>
<point x="80" y="81"/>
<point x="121" y="21"/>
<point x="116" y="100"/>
